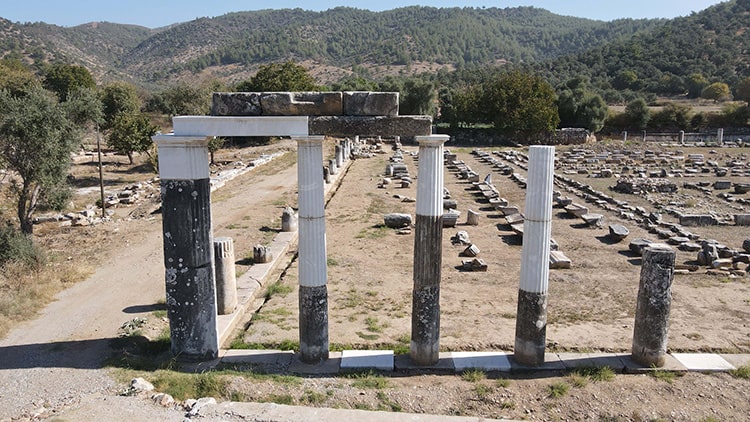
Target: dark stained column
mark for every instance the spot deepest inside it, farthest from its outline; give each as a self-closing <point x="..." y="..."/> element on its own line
<point x="313" y="273"/>
<point x="188" y="249"/>
<point x="428" y="238"/>
<point x="654" y="303"/>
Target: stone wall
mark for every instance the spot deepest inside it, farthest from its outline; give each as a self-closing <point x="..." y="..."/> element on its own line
<point x="346" y="113"/>
<point x="487" y="137"/>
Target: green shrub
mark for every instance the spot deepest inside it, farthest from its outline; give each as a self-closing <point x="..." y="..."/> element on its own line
<point x="16" y="246"/>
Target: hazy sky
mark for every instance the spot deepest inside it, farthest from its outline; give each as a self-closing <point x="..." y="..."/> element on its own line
<point x="156" y="13"/>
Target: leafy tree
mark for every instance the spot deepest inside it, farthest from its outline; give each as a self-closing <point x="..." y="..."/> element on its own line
<point x="36" y="140"/>
<point x="695" y="84"/>
<point x="16" y="77"/>
<point x="181" y="99"/>
<point x="214" y="144"/>
<point x="637" y="114"/>
<point x="735" y="115"/>
<point x="287" y="76"/>
<point x="672" y="116"/>
<point x="131" y="133"/>
<point x="417" y="97"/>
<point x="577" y="106"/>
<point x="63" y="78"/>
<point x="717" y="91"/>
<point x="119" y="98"/>
<point x="521" y="106"/>
<point x="743" y="90"/>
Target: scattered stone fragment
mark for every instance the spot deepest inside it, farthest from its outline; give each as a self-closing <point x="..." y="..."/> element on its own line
<point x="163" y="399"/>
<point x="746" y="245"/>
<point x="475" y="264"/>
<point x="576" y="210"/>
<point x="404" y="231"/>
<point x="471" y="251"/>
<point x="450" y="218"/>
<point x="637" y="245"/>
<point x="461" y="238"/>
<point x="558" y="261"/>
<point x="618" y="232"/>
<point x="140" y="385"/>
<point x="472" y="218"/>
<point x="689" y="247"/>
<point x="397" y="220"/>
<point x="593" y="219"/>
<point x="262" y="254"/>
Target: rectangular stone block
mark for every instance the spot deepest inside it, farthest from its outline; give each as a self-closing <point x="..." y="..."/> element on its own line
<point x="301" y="103"/>
<point x="371" y="125"/>
<point x="363" y="103"/>
<point x="697" y="220"/>
<point x="236" y="104"/>
<point x="240" y="126"/>
<point x="277" y="104"/>
<point x="742" y="219"/>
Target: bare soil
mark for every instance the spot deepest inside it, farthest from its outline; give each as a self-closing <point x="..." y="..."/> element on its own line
<point x="59" y="357"/>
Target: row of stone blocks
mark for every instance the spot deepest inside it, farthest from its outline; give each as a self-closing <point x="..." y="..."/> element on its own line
<point x="348" y="113"/>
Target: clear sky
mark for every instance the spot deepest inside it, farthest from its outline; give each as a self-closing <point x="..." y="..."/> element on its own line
<point x="157" y="13"/>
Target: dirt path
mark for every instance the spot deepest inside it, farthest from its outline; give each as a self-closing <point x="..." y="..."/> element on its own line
<point x="53" y="361"/>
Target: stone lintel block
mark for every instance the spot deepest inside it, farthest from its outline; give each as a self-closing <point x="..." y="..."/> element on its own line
<point x="364" y="103"/>
<point x="301" y="103"/>
<point x="371" y="125"/>
<point x="236" y="104"/>
<point x="240" y="125"/>
<point x="277" y="104"/>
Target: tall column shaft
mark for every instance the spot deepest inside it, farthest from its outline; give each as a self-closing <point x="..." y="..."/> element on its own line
<point x="313" y="273"/>
<point x="188" y="249"/>
<point x="531" y="318"/>
<point x="654" y="303"/>
<point x="428" y="239"/>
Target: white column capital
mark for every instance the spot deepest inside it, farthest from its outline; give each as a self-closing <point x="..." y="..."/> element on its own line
<point x="182" y="157"/>
<point x="432" y="140"/>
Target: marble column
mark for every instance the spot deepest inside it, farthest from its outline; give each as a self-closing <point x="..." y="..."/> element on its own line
<point x="531" y="318"/>
<point x="226" y="276"/>
<point x="428" y="236"/>
<point x="188" y="246"/>
<point x="313" y="273"/>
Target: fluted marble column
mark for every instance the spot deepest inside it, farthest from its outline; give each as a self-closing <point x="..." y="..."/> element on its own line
<point x="428" y="237"/>
<point x="188" y="248"/>
<point x="531" y="318"/>
<point x="313" y="274"/>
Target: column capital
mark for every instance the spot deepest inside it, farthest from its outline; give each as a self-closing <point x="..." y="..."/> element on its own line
<point x="309" y="139"/>
<point x="182" y="157"/>
<point x="432" y="140"/>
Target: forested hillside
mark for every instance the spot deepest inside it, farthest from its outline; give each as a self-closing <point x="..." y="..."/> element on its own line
<point x="680" y="56"/>
<point x="341" y="37"/>
<point x="621" y="59"/>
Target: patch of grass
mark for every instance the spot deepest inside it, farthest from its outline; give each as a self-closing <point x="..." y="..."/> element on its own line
<point x="313" y="397"/>
<point x="374" y="232"/>
<point x="387" y="404"/>
<point x="604" y="373"/>
<point x="502" y="382"/>
<point x="367" y="336"/>
<point x="278" y="288"/>
<point x="507" y="405"/>
<point x="368" y="380"/>
<point x="741" y="372"/>
<point x="286" y="399"/>
<point x="182" y="386"/>
<point x="332" y="262"/>
<point x="482" y="390"/>
<point x="473" y="375"/>
<point x="664" y="375"/>
<point x="557" y="390"/>
<point x="374" y="326"/>
<point x="578" y="381"/>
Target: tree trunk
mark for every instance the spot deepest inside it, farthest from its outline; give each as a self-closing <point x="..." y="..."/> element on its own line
<point x="130" y="157"/>
<point x="27" y="201"/>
